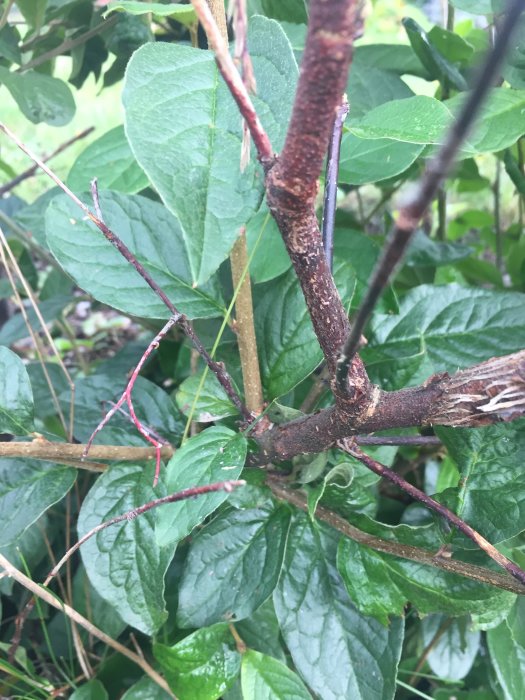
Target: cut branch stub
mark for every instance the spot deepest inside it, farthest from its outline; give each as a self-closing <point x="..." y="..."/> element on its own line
<point x="487" y="393"/>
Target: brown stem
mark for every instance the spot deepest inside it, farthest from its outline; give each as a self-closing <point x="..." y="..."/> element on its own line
<point x="487" y="393"/>
<point x="447" y="622"/>
<point x="291" y="184"/>
<point x="514" y="570"/>
<point x="216" y="367"/>
<point x="52" y="600"/>
<point x="423" y="556"/>
<point x="32" y="170"/>
<point x="126" y="396"/>
<point x="331" y="178"/>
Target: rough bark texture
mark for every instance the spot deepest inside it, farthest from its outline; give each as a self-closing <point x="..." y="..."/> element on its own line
<point x="291" y="183"/>
<point x="490" y="392"/>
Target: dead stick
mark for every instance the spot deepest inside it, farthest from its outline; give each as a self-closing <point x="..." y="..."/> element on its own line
<point x="32" y="170"/>
<point x="51" y="599"/>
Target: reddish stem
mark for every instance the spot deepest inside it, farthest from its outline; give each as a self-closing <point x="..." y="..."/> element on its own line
<point x="126" y="397"/>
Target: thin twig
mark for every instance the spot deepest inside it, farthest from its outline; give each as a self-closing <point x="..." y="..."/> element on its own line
<point x="409" y="552"/>
<point x="126" y="397"/>
<point x="69" y="44"/>
<point x="514" y="570"/>
<point x="4" y="247"/>
<point x="192" y="492"/>
<point x="235" y="83"/>
<point x="216" y="367"/>
<point x="436" y="171"/>
<point x="401" y="440"/>
<point x="332" y="175"/>
<point x="51" y="599"/>
<point x="32" y="170"/>
<point x="443" y="627"/>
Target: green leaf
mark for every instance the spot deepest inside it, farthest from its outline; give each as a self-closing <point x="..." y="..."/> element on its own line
<point x="508" y="660"/>
<point x="513" y="170"/>
<point x="337" y="651"/>
<point x="265" y="678"/>
<point x="233" y="566"/>
<point x="111" y="161"/>
<point x="424" y="251"/>
<point x="9" y="48"/>
<point x="152" y="234"/>
<point x="16" y="397"/>
<point x="27" y="489"/>
<point x="452" y="46"/>
<point x="394" y="58"/>
<point x="203" y="665"/>
<point x="185" y="14"/>
<point x="381" y="584"/>
<point x="371" y="160"/>
<point x="499" y="124"/>
<point x="291" y="11"/>
<point x="146" y="689"/>
<point x="216" y="454"/>
<point x="514" y="67"/>
<point x="452" y="655"/>
<point x="430" y="56"/>
<point x="124" y="563"/>
<point x="27" y="550"/>
<point x="94" y="396"/>
<point x="474" y="7"/>
<point x="192" y="154"/>
<point x="16" y="327"/>
<point x="212" y="402"/>
<point x="288" y="348"/>
<point x="491" y="494"/>
<point x="40" y="97"/>
<point x="270" y="259"/>
<point x="417" y="119"/>
<point x="261" y="631"/>
<point x="447" y="327"/>
<point x="92" y="690"/>
<point x="370" y="87"/>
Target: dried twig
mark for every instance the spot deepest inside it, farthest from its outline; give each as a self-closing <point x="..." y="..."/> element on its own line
<point x="52" y="600"/>
<point x="32" y="170"/>
<point x="245" y="325"/>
